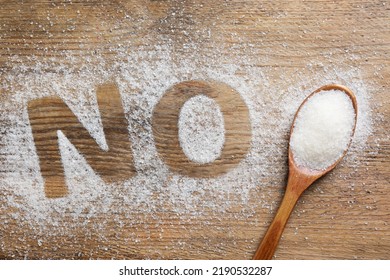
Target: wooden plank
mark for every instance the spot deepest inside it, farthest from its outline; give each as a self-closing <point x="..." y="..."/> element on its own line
<point x="335" y="219"/>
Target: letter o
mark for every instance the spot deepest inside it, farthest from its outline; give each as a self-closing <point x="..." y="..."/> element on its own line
<point x="165" y="122"/>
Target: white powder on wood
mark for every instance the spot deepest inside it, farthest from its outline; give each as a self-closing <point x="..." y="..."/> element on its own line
<point x="201" y="129"/>
<point x="160" y="197"/>
<point x="322" y="129"/>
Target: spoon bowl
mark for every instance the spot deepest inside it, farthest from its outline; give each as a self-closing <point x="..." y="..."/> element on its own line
<point x="299" y="179"/>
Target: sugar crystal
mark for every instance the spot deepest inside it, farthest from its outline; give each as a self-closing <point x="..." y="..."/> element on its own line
<point x="322" y="129"/>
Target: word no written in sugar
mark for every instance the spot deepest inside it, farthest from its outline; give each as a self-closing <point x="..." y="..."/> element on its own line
<point x="49" y="115"/>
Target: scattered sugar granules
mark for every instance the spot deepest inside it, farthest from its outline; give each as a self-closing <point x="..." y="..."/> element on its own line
<point x="93" y="207"/>
<point x="322" y="129"/>
<point x="201" y="129"/>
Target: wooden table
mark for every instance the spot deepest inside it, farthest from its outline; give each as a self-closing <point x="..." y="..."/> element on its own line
<point x="336" y="218"/>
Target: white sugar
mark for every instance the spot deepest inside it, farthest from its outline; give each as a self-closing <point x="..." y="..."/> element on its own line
<point x="201" y="129"/>
<point x="322" y="129"/>
<point x="143" y="74"/>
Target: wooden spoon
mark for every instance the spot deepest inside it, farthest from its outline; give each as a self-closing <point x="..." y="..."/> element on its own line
<point x="299" y="179"/>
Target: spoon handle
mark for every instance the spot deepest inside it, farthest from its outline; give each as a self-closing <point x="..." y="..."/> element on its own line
<point x="268" y="245"/>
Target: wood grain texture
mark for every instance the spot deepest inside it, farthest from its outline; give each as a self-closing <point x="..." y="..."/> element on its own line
<point x="236" y="123"/>
<point x="333" y="220"/>
<point x="49" y="115"/>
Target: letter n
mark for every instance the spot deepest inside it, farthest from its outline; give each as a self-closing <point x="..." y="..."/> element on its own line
<point x="50" y="114"/>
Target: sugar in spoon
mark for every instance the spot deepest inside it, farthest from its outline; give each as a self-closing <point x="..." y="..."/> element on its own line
<point x="299" y="179"/>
